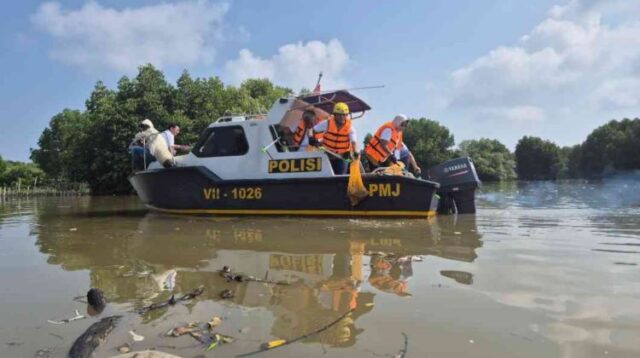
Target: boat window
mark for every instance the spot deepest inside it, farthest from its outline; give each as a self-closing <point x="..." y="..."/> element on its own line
<point x="278" y="136"/>
<point x="222" y="142"/>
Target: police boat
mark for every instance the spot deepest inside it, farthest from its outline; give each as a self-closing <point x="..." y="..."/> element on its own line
<point x="243" y="165"/>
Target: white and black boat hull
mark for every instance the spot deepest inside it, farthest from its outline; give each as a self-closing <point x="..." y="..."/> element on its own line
<point x="197" y="190"/>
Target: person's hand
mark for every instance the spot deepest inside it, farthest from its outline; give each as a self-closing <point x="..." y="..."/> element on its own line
<point x="417" y="171"/>
<point x="314" y="142"/>
<point x="355" y="155"/>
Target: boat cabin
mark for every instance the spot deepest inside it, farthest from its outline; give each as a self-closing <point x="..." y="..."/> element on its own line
<point x="257" y="147"/>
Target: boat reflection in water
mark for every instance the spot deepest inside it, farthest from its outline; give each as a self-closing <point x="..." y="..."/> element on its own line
<point x="330" y="267"/>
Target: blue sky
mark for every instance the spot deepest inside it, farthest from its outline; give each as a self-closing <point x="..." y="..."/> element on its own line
<point x="495" y="68"/>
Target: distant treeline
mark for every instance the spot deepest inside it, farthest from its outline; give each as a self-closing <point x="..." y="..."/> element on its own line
<point x="18" y="178"/>
<point x="90" y="146"/>
<point x="14" y="173"/>
<point x="610" y="148"/>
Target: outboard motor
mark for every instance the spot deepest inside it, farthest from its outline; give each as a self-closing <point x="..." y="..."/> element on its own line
<point x="458" y="183"/>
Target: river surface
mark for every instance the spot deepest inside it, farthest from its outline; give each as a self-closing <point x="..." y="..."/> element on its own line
<point x="542" y="270"/>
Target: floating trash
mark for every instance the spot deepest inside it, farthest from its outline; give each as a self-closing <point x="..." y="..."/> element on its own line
<point x="218" y="339"/>
<point x="166" y="281"/>
<point x="136" y="337"/>
<point x="215" y="321"/>
<point x="273" y="344"/>
<point x="172" y="300"/>
<point x="125" y="348"/>
<point x="226" y="294"/>
<point x="182" y="330"/>
<point x="67" y="320"/>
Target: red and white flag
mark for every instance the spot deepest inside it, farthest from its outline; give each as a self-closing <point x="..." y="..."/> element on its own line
<point x="317" y="89"/>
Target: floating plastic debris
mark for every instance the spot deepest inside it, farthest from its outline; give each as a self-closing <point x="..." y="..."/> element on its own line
<point x="136" y="337"/>
<point x="67" y="320"/>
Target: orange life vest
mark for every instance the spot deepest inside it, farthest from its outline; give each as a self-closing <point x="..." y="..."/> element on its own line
<point x="337" y="140"/>
<point x="375" y="149"/>
<point x="298" y="136"/>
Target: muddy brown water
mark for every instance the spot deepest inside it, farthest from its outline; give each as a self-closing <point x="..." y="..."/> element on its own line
<point x="542" y="270"/>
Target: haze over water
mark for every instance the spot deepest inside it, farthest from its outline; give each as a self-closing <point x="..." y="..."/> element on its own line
<point x="543" y="270"/>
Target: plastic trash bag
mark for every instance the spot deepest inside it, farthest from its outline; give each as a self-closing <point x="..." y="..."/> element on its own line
<point x="356" y="189"/>
<point x="395" y="169"/>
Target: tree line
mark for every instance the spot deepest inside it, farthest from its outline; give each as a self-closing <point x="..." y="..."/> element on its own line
<point x="12" y="173"/>
<point x="90" y="145"/>
<point x="609" y="149"/>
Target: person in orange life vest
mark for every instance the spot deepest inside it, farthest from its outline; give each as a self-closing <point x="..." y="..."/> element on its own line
<point x="339" y="137"/>
<point x="302" y="132"/>
<point x="391" y="275"/>
<point x="386" y="146"/>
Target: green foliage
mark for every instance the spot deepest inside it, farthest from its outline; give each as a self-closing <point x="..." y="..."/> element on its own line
<point x="429" y="141"/>
<point x="91" y="146"/>
<point x="573" y="160"/>
<point x="613" y="146"/>
<point x="60" y="144"/>
<point x="113" y="122"/>
<point x="23" y="173"/>
<point x="493" y="161"/>
<point x="263" y="93"/>
<point x="538" y="159"/>
<point x="3" y="165"/>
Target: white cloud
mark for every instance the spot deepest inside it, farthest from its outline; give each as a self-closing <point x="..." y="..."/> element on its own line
<point x="295" y="65"/>
<point x="585" y="56"/>
<point x="618" y="93"/>
<point x="581" y="7"/>
<point x="515" y="113"/>
<point x="183" y="33"/>
<point x="506" y="72"/>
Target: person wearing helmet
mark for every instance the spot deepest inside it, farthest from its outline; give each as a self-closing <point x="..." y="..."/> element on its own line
<point x="386" y="146"/>
<point x="339" y="138"/>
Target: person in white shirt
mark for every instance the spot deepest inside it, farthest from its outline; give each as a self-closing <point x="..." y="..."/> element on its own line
<point x="387" y="147"/>
<point x="170" y="135"/>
